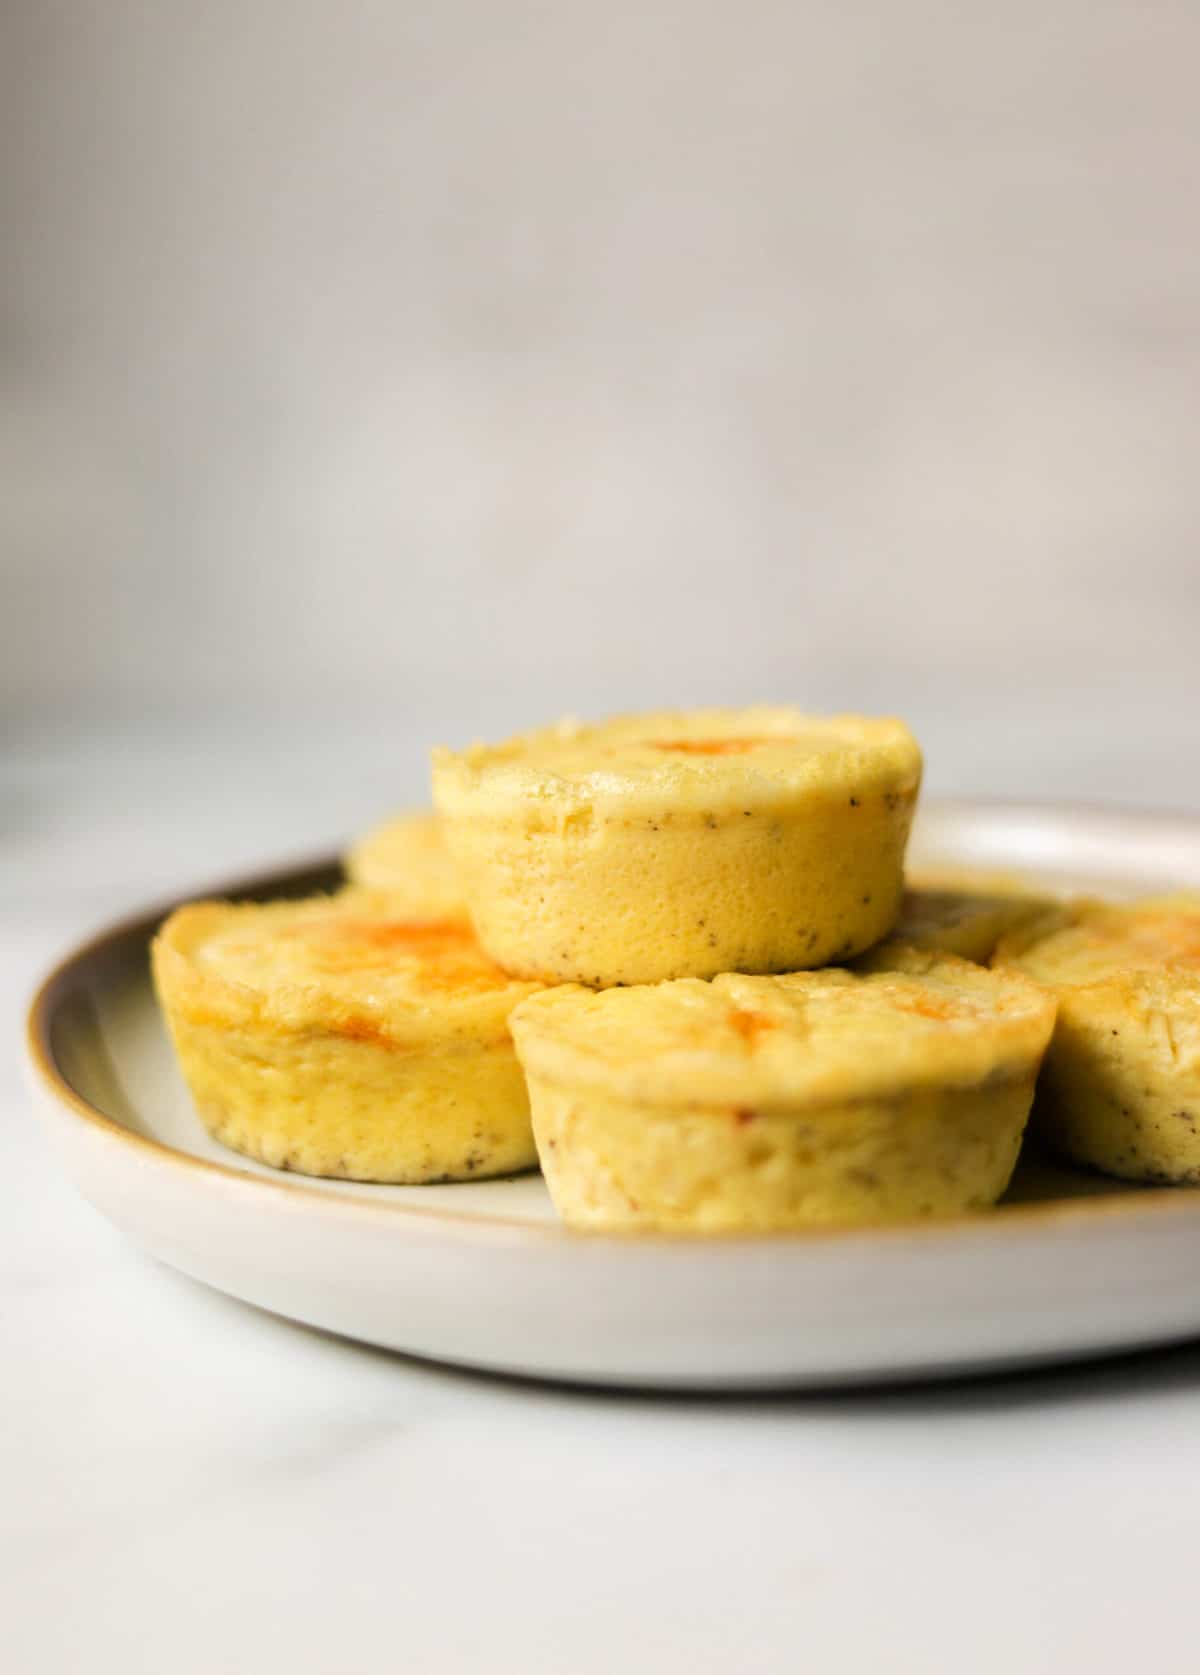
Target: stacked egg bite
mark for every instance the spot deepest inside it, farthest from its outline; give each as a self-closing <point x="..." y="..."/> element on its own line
<point x="669" y="957"/>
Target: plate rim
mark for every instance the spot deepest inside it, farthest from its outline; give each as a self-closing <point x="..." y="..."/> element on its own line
<point x="1144" y="1204"/>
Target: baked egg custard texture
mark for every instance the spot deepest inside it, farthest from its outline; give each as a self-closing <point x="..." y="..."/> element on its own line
<point x="682" y="844"/>
<point x="407" y="856"/>
<point x="333" y="1037"/>
<point x="962" y="922"/>
<point x="1121" y="1086"/>
<point x="774" y="1103"/>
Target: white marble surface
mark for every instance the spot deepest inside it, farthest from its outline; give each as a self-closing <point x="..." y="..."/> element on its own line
<point x="188" y="1485"/>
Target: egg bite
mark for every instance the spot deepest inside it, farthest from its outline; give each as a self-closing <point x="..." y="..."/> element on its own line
<point x="763" y="1104"/>
<point x="962" y="922"/>
<point x="1120" y="1090"/>
<point x="334" y="1037"/>
<point x="407" y="856"/>
<point x="971" y="880"/>
<point x="682" y="844"/>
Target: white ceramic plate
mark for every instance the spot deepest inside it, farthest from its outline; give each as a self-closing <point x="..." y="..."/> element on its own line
<point x="481" y="1274"/>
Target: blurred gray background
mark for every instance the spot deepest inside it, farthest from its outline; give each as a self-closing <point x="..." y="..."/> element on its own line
<point x="379" y="374"/>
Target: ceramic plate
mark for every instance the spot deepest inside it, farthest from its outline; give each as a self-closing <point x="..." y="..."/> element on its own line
<point x="481" y="1274"/>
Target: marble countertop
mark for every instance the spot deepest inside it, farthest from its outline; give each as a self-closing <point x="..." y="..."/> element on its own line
<point x="192" y="1486"/>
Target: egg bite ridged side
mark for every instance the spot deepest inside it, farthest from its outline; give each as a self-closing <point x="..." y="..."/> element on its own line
<point x="334" y="1038"/>
<point x="407" y="856"/>
<point x="682" y="844"/>
<point x="773" y="1103"/>
<point x="1120" y="1090"/>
